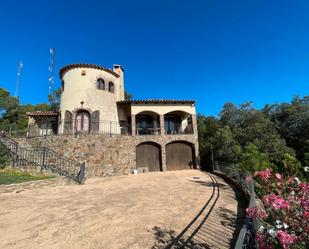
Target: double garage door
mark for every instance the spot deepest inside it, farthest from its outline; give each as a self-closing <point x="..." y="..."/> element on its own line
<point x="179" y="156"/>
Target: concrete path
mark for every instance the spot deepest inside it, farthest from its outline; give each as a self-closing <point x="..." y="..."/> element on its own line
<point x="181" y="209"/>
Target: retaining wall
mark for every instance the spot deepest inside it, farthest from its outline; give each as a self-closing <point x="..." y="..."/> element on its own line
<point x="106" y="155"/>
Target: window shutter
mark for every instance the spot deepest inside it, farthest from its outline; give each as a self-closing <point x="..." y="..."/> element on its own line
<point x="95" y="122"/>
<point x="67" y="122"/>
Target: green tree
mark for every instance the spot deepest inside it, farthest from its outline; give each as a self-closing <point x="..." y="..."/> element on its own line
<point x="13" y="115"/>
<point x="54" y="99"/>
<point x="292" y="123"/>
<point x="252" y="160"/>
<point x="127" y="95"/>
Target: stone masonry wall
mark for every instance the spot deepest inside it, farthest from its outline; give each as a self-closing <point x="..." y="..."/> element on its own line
<point x="106" y="155"/>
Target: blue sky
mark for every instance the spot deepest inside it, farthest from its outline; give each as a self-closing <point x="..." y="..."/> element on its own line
<point x="212" y="51"/>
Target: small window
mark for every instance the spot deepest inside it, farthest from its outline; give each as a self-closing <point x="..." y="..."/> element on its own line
<point x="83" y="72"/>
<point x="111" y="87"/>
<point x="101" y="84"/>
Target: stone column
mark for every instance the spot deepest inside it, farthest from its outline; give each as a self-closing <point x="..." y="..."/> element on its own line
<point x="155" y="125"/>
<point x="194" y="124"/>
<point x="133" y="128"/>
<point x="163" y="155"/>
<point x="162" y="126"/>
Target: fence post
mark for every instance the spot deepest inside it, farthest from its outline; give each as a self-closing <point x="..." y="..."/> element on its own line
<point x="81" y="174"/>
<point x="44" y="158"/>
<point x="15" y="157"/>
<point x="110" y="128"/>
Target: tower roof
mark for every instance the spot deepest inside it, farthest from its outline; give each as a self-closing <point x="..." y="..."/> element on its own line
<point x="67" y="68"/>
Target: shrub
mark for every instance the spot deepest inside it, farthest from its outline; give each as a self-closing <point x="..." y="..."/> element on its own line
<point x="284" y="222"/>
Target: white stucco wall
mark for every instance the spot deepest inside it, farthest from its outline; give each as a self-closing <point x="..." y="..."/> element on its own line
<point x="162" y="109"/>
<point x="79" y="88"/>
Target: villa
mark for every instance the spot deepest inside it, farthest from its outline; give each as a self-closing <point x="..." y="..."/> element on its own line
<point x="113" y="135"/>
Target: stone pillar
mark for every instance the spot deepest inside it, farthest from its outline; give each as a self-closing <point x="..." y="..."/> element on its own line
<point x="162" y="126"/>
<point x="155" y="125"/>
<point x="133" y="128"/>
<point x="163" y="155"/>
<point x="194" y="124"/>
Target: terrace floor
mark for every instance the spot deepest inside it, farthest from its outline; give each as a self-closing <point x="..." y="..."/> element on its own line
<point x="188" y="209"/>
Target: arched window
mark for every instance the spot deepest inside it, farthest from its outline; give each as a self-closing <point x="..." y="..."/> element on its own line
<point x="101" y="84"/>
<point x="111" y="87"/>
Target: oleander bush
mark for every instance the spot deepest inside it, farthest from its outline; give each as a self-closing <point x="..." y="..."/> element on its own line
<point x="284" y="220"/>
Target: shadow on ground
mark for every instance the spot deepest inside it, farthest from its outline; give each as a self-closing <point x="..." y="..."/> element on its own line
<point x="211" y="184"/>
<point x="209" y="232"/>
<point x="167" y="239"/>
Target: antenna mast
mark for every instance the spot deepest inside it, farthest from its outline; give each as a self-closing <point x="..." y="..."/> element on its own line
<point x="19" y="71"/>
<point x="51" y="70"/>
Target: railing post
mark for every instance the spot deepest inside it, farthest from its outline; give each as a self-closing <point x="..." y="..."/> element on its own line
<point x="44" y="158"/>
<point x="15" y="156"/>
<point x="110" y="128"/>
<point x="81" y="174"/>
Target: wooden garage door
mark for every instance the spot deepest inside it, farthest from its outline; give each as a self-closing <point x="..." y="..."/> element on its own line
<point x="179" y="155"/>
<point x="148" y="156"/>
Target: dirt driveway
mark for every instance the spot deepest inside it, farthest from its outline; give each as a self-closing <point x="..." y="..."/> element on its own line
<point x="143" y="211"/>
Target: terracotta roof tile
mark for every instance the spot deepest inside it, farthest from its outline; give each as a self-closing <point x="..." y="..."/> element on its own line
<point x="43" y="113"/>
<point x="157" y="101"/>
<point x="67" y="68"/>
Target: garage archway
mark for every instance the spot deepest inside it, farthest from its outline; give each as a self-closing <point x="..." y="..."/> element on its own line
<point x="180" y="155"/>
<point x="148" y="157"/>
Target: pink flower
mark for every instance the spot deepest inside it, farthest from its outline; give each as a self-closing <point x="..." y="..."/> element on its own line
<point x="264" y="174"/>
<point x="291" y="180"/>
<point x="278" y="176"/>
<point x="276" y="201"/>
<point x="256" y="213"/>
<point x="286" y="239"/>
<point x="304" y="187"/>
<point x="261" y="240"/>
<point x="306" y="215"/>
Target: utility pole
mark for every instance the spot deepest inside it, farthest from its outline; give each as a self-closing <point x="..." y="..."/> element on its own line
<point x="51" y="70"/>
<point x="19" y="71"/>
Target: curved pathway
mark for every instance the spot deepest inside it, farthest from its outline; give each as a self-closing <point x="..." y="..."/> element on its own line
<point x="181" y="209"/>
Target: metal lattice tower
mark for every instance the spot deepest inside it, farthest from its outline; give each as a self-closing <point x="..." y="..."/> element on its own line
<point x="51" y="70"/>
<point x="19" y="71"/>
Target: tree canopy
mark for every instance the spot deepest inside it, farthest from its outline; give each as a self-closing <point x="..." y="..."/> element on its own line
<point x="274" y="133"/>
<point x="13" y="116"/>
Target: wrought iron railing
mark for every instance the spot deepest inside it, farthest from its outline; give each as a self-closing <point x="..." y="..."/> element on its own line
<point x="71" y="128"/>
<point x="44" y="158"/>
<point x="247" y="236"/>
<point x="178" y="128"/>
<point x="148" y="131"/>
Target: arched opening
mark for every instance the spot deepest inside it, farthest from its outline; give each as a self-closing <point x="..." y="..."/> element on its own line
<point x="82" y="122"/>
<point x="148" y="157"/>
<point x="111" y="87"/>
<point x="101" y="84"/>
<point x="180" y="155"/>
<point x="178" y="122"/>
<point x="147" y="123"/>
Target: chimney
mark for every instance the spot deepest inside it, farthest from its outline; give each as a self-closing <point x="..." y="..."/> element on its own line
<point x="118" y="69"/>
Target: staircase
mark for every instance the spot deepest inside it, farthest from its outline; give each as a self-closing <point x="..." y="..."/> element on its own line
<point x="43" y="157"/>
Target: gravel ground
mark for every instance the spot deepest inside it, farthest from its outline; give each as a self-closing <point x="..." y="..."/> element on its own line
<point x="136" y="211"/>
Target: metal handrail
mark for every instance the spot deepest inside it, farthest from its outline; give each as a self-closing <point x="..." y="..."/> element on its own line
<point x="246" y="238"/>
<point x="45" y="158"/>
